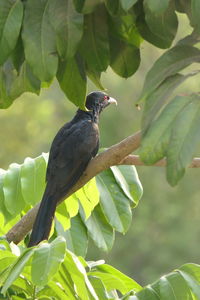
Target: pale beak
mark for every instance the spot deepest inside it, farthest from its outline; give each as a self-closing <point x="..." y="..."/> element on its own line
<point x="112" y="100"/>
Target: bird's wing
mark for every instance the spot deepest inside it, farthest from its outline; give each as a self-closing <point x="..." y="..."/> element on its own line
<point x="71" y="151"/>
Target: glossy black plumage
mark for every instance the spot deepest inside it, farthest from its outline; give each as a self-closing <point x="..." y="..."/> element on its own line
<point x="72" y="148"/>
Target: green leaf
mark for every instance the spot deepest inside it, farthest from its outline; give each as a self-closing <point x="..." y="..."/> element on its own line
<point x="7" y="77"/>
<point x="196" y="14"/>
<point x="114" y="203"/>
<point x="113" y="6"/>
<point x="157" y="6"/>
<point x="99" y="230"/>
<point x="72" y="79"/>
<point x="94" y="76"/>
<point x="33" y="179"/>
<point x="157" y="98"/>
<point x="46" y="261"/>
<point x="191" y="274"/>
<point x="184" y="139"/>
<point x="78" y="275"/>
<point x="97" y="56"/>
<point x="126" y="282"/>
<point x="39" y="40"/>
<point x="167" y="65"/>
<point x="86" y="6"/>
<point x="25" y="82"/>
<point x="7" y="216"/>
<point x="76" y="237"/>
<point x="127" y="4"/>
<point x="13" y="197"/>
<point x="11" y="14"/>
<point x="16" y="269"/>
<point x="68" y="26"/>
<point x="156" y="140"/>
<point x="163" y="24"/>
<point x="125" y="58"/>
<point x="132" y="181"/>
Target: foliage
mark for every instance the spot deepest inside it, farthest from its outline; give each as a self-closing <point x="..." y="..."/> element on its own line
<point x="53" y="272"/>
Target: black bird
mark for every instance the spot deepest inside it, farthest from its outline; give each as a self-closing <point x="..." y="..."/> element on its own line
<point x="75" y="144"/>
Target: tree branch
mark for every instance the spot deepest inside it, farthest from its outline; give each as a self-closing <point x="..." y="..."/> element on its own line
<point x="112" y="156"/>
<point x="116" y="155"/>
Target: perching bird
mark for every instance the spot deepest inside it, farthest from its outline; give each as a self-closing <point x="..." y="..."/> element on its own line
<point x="75" y="144"/>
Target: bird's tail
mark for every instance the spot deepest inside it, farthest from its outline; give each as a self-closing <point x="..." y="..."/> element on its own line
<point x="44" y="219"/>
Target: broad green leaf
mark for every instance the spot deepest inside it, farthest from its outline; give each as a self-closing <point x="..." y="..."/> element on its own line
<point x="134" y="185"/>
<point x="33" y="179"/>
<point x="68" y="26"/>
<point x="54" y="290"/>
<point x="169" y="64"/>
<point x="125" y="58"/>
<point x="156" y="140"/>
<point x="46" y="261"/>
<point x="113" y="6"/>
<point x="127" y="4"/>
<point x="99" y="230"/>
<point x="11" y="14"/>
<point x="179" y="286"/>
<point x="127" y="282"/>
<point x="191" y="274"/>
<point x="78" y="275"/>
<point x="195" y="5"/>
<point x="166" y="289"/>
<point x="114" y="202"/>
<point x="184" y="139"/>
<point x="157" y="6"/>
<point x="157" y="98"/>
<point x="16" y="269"/>
<point x="146" y="32"/>
<point x="72" y="79"/>
<point x="39" y="40"/>
<point x="13" y="197"/>
<point x="24" y="82"/>
<point x="163" y="24"/>
<point x="99" y="288"/>
<point x="146" y="293"/>
<point x="7" y="216"/>
<point x="18" y="54"/>
<point x="94" y="76"/>
<point x="94" y="47"/>
<point x="86" y="6"/>
<point x="76" y="237"/>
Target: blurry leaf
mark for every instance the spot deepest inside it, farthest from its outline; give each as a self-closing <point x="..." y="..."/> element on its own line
<point x="76" y="237"/>
<point x="16" y="269"/>
<point x="94" y="76"/>
<point x="156" y="140"/>
<point x="54" y="290"/>
<point x="183" y="6"/>
<point x="72" y="80"/>
<point x="184" y="139"/>
<point x="94" y="46"/>
<point x="7" y="216"/>
<point x="127" y="282"/>
<point x="33" y="179"/>
<point x="127" y="4"/>
<point x="99" y="230"/>
<point x="113" y="6"/>
<point x="114" y="203"/>
<point x="146" y="32"/>
<point x="25" y="82"/>
<point x="157" y="98"/>
<point x="157" y="6"/>
<point x="125" y="58"/>
<point x="132" y="181"/>
<point x="169" y="64"/>
<point x="68" y="25"/>
<point x="78" y="275"/>
<point x="18" y="54"/>
<point x="13" y="197"/>
<point x="46" y="261"/>
<point x="86" y="6"/>
<point x="11" y="14"/>
<point x="72" y="205"/>
<point x="39" y="40"/>
<point x="191" y="274"/>
<point x="196" y="14"/>
<point x="164" y="24"/>
<point x="99" y="288"/>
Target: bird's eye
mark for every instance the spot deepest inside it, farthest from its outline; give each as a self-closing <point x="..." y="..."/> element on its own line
<point x="106" y="97"/>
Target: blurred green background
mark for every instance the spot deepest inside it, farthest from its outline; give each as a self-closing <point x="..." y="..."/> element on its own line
<point x="165" y="231"/>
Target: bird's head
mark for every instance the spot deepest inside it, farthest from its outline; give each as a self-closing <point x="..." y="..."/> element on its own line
<point x="98" y="101"/>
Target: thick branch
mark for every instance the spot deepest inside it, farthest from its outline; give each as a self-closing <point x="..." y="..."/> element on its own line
<point x="115" y="155"/>
<point x="112" y="156"/>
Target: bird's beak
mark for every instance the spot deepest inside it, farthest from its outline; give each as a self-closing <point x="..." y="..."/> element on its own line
<point x="112" y="100"/>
